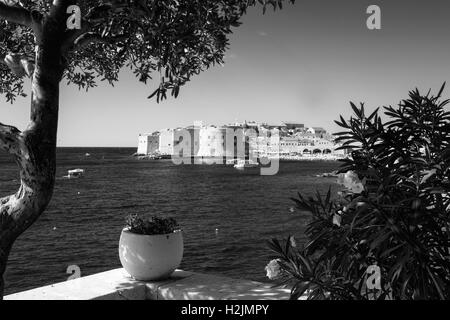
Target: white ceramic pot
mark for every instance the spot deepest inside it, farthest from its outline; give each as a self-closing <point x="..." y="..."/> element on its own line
<point x="152" y="257"/>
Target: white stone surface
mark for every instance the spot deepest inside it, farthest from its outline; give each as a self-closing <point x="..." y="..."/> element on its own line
<point x="182" y="285"/>
<point x="114" y="284"/>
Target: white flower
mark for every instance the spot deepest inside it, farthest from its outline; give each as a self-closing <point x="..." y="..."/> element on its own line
<point x="337" y="219"/>
<point x="293" y="243"/>
<point x="357" y="188"/>
<point x="273" y="269"/>
<point x="351" y="181"/>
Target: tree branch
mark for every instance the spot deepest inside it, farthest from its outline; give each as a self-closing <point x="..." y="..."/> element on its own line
<point x="102" y="12"/>
<point x="10" y="139"/>
<point x="20" y="65"/>
<point x="91" y="37"/>
<point x="98" y="16"/>
<point x="17" y="15"/>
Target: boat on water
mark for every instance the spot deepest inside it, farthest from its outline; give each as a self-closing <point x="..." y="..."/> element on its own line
<point x="331" y="174"/>
<point x="75" y="173"/>
<point x="242" y="164"/>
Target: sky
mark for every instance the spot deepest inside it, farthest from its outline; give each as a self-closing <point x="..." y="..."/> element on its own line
<point x="301" y="64"/>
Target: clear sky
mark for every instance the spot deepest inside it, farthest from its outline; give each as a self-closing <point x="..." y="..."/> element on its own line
<point x="304" y="63"/>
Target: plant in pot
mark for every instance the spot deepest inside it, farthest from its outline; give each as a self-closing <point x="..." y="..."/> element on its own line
<point x="150" y="248"/>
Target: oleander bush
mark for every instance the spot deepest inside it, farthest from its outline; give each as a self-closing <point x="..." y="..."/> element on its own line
<point x="387" y="236"/>
<point x="151" y="226"/>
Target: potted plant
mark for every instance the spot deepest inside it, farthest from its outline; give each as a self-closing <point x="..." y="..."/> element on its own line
<point x="150" y="248"/>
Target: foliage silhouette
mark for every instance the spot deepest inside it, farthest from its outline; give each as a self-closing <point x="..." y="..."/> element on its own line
<point x="400" y="219"/>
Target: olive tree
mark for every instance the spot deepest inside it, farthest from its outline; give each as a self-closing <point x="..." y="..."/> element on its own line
<point x="83" y="42"/>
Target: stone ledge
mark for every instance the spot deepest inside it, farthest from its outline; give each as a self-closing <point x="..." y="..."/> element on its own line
<point x="182" y="285"/>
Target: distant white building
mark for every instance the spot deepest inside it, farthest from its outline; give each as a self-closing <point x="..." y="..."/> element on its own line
<point x="241" y="139"/>
<point x="148" y="143"/>
<point x="290" y="145"/>
<point x="212" y="142"/>
<point x="180" y="141"/>
<point x="317" y="131"/>
<point x="166" y="142"/>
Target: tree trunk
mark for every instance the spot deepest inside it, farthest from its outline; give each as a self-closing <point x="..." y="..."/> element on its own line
<point x="34" y="150"/>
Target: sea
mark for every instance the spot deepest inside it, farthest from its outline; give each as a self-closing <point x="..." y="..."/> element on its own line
<point x="226" y="215"/>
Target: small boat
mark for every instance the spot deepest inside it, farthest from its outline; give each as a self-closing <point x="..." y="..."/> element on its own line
<point x="75" y="173"/>
<point x="241" y="164"/>
<point x="332" y="174"/>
